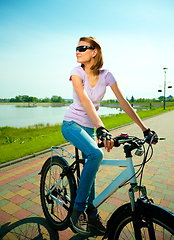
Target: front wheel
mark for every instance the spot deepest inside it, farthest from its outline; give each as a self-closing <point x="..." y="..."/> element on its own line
<point x="57" y="194"/>
<point x="120" y="226"/>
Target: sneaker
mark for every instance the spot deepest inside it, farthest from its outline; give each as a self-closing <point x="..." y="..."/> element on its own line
<point x="97" y="223"/>
<point x="79" y="222"/>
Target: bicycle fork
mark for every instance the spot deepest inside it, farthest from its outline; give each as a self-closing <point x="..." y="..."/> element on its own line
<point x="138" y="221"/>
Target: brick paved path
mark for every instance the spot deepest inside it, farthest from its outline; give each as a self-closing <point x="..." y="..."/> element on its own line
<point x="20" y="210"/>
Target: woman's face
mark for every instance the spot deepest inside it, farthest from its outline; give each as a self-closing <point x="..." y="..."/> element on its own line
<point x="86" y="56"/>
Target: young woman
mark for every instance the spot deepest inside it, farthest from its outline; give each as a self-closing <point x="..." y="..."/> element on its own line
<point x="89" y="85"/>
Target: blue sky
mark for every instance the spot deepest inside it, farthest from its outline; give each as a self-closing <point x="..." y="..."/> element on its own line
<point x="38" y="40"/>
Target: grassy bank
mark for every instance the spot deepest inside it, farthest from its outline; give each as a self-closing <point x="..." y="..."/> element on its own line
<point x="19" y="142"/>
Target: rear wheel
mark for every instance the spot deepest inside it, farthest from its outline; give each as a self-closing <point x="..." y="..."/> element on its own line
<point x="121" y="226"/>
<point x="57" y="203"/>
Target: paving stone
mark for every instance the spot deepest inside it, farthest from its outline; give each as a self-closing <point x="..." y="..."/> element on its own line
<point x="120" y="196"/>
<point x="115" y="202"/>
<point x="31" y="196"/>
<point x="112" y="177"/>
<point x="122" y="190"/>
<point x="26" y="204"/>
<point x="103" y="214"/>
<point x="36" y="190"/>
<point x="171" y="188"/>
<point x="28" y="185"/>
<point x="100" y="184"/>
<point x="107" y="207"/>
<point x="10" y="208"/>
<point x="161" y="177"/>
<point x="5" y="186"/>
<point x="157" y="189"/>
<point x="32" y="180"/>
<point x="157" y="194"/>
<point x="21" y="214"/>
<point x="161" y="185"/>
<point x="8" y="180"/>
<point x="4" y="217"/>
<point x="36" y="199"/>
<point x="150" y="187"/>
<point x="4" y="192"/>
<point x="171" y="205"/>
<point x="147" y="177"/>
<point x="168" y="192"/>
<point x="37" y="183"/>
<point x="23" y="192"/>
<point x="36" y="208"/>
<point x="105" y="180"/>
<point x="164" y="203"/>
<point x="9" y="195"/>
<point x="15" y="188"/>
<point x="18" y="199"/>
<point x="15" y="182"/>
<point x="3" y="203"/>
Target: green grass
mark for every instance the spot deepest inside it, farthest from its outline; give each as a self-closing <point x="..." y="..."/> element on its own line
<point x="112" y="121"/>
<point x="19" y="142"/>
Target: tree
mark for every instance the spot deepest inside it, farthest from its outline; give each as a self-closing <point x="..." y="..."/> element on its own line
<point x="170" y="98"/>
<point x="161" y="98"/>
<point x="46" y="99"/>
<point x="57" y="99"/>
<point x="132" y="99"/>
<point x="33" y="99"/>
<point x="25" y="98"/>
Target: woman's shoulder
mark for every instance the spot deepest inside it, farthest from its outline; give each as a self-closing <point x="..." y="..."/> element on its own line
<point x="78" y="70"/>
<point x="104" y="72"/>
<point x="108" y="76"/>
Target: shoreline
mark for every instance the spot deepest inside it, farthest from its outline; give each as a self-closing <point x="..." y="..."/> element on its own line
<point x="109" y="105"/>
<point x="36" y="104"/>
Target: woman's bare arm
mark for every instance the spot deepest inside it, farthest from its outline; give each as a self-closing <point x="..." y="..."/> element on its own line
<point x="85" y="101"/>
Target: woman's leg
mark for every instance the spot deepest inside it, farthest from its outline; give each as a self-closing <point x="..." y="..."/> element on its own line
<point x="75" y="134"/>
<point x="91" y="133"/>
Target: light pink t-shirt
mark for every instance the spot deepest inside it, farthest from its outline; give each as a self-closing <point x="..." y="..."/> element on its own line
<point x="76" y="112"/>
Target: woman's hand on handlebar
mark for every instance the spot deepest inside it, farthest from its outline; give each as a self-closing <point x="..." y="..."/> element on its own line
<point x="108" y="144"/>
<point x="148" y="133"/>
<point x="104" y="136"/>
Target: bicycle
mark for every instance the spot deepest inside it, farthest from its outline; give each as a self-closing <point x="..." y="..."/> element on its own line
<point x="138" y="219"/>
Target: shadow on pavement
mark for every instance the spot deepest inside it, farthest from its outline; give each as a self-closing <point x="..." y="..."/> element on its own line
<point x="93" y="234"/>
<point x="29" y="228"/>
<point x="37" y="228"/>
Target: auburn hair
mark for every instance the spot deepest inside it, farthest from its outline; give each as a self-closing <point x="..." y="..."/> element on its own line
<point x="98" y="59"/>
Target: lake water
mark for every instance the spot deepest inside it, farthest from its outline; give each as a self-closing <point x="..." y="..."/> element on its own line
<point x="13" y="116"/>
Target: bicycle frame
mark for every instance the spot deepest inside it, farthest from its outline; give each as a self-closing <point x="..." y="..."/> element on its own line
<point x="127" y="174"/>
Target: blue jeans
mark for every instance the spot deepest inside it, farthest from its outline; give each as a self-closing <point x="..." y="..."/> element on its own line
<point x="83" y="139"/>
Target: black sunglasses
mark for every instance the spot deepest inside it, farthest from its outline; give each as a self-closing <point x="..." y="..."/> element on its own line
<point x="83" y="48"/>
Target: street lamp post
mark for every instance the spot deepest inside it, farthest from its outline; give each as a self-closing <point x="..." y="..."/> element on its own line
<point x="165" y="69"/>
<point x="169" y="86"/>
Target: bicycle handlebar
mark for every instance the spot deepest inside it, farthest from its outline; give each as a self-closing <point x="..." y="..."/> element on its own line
<point x="125" y="138"/>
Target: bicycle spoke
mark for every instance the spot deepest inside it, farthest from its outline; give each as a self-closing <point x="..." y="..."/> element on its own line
<point x="56" y="193"/>
<point x="160" y="233"/>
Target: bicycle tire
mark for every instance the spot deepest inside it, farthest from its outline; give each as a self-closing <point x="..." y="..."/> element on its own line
<point x="120" y="226"/>
<point x="56" y="214"/>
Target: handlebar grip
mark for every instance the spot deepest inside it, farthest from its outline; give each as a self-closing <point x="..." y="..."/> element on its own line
<point x="100" y="145"/>
<point x="116" y="143"/>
